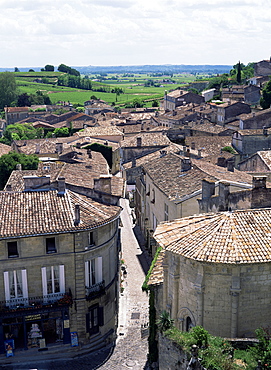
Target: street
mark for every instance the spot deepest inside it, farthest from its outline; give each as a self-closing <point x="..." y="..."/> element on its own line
<point x="130" y="351"/>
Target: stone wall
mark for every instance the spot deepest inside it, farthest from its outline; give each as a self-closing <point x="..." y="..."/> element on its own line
<point x="171" y="355"/>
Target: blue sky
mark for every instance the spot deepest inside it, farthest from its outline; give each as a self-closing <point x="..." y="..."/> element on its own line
<point x="133" y="32"/>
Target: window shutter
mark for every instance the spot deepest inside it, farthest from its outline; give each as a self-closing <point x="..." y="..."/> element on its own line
<point x="87" y="274"/>
<point x="44" y="281"/>
<point x="101" y="316"/>
<point x="99" y="269"/>
<point x="61" y="279"/>
<point x="87" y="322"/>
<point x="24" y="283"/>
<point x="6" y="283"/>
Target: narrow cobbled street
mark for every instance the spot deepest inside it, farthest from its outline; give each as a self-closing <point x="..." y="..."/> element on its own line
<point x="131" y="349"/>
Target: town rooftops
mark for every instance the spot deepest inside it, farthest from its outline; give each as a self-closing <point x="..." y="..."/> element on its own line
<point x="238" y="237"/>
<point x="45" y="212"/>
<point x="100" y="131"/>
<point x="167" y="175"/>
<point x="147" y="139"/>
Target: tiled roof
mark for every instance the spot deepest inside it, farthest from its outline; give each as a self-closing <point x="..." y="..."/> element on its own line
<point x="251" y="132"/>
<point x="209" y="144"/>
<point x="147" y="139"/>
<point x="166" y="174"/>
<point x="266" y="157"/>
<point x="4" y="149"/>
<point x="99" y="131"/>
<point x="44" y="212"/>
<point x="172" y="148"/>
<point x="16" y="109"/>
<point x="225" y="237"/>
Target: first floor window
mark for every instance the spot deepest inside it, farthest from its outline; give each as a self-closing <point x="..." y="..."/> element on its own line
<point x="16" y="286"/>
<point x="93" y="271"/>
<point x="12" y="249"/>
<point x="50" y="245"/>
<point x="53" y="280"/>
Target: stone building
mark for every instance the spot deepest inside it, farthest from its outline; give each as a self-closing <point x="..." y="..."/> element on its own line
<point x="178" y="97"/>
<point x="169" y="187"/>
<point x="214" y="270"/>
<point x="262" y="68"/>
<point x="248" y="142"/>
<point x="59" y="253"/>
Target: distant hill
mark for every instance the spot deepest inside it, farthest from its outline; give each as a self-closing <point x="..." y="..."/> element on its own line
<point x="168" y="68"/>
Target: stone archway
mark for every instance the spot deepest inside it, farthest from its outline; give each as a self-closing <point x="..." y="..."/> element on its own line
<point x="186" y="319"/>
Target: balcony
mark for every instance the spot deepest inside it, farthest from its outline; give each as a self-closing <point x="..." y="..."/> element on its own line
<point x="35" y="304"/>
<point x="95" y="290"/>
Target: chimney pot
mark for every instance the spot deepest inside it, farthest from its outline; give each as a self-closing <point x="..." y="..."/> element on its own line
<point x="61" y="186"/>
<point x="138" y="141"/>
<point x="77" y="215"/>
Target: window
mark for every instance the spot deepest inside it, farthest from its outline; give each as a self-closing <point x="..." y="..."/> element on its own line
<point x="50" y="245"/>
<point x="94" y="319"/>
<point x="12" y="249"/>
<point x="91" y="239"/>
<point x="166" y="212"/>
<point x="16" y="291"/>
<point x="53" y="281"/>
<point x="93" y="271"/>
<point x="153" y="196"/>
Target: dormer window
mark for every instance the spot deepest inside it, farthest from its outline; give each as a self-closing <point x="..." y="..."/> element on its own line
<point x="12" y="249"/>
<point x="50" y="245"/>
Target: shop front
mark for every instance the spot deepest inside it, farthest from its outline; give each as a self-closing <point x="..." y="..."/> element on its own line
<point x="31" y="327"/>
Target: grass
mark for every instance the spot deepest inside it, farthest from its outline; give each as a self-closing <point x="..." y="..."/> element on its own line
<point x="133" y="87"/>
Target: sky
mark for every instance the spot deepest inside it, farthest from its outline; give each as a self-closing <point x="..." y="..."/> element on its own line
<point x="34" y="33"/>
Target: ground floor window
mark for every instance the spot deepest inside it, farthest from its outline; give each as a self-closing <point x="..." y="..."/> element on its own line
<point x="94" y="319"/>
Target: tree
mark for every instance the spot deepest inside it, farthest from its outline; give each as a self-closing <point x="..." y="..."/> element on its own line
<point x="16" y="69"/>
<point x="49" y="68"/>
<point x="61" y="132"/>
<point x="8" y="89"/>
<point x="238" y="76"/>
<point x="20" y="131"/>
<point x="164" y="322"/>
<point x="23" y="100"/>
<point x="266" y="96"/>
<point x="9" y="161"/>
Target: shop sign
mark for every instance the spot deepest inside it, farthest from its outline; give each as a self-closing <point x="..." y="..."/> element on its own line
<point x="32" y="317"/>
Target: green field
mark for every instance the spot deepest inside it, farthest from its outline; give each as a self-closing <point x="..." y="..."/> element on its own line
<point x="132" y="86"/>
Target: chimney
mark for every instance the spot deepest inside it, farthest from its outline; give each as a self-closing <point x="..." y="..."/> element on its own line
<point x="208" y="188"/>
<point x="193" y="145"/>
<point x="199" y="153"/>
<point x="186" y="164"/>
<point x="37" y="148"/>
<point x="59" y="148"/>
<point x="230" y="165"/>
<point x="61" y="186"/>
<point x="18" y="167"/>
<point x="103" y="184"/>
<point x="259" y="182"/>
<point x="89" y="153"/>
<point x="77" y="215"/>
<point x="221" y="162"/>
<point x="78" y="145"/>
<point x="138" y="142"/>
<point x="223" y="192"/>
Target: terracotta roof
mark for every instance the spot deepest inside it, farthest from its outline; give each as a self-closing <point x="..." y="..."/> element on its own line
<point x="209" y="144"/>
<point x="225" y="237"/>
<point x="16" y="109"/>
<point x="4" y="149"/>
<point x="209" y="127"/>
<point x="147" y="139"/>
<point x="99" y="131"/>
<point x="166" y="174"/>
<point x="44" y="212"/>
<point x="266" y="157"/>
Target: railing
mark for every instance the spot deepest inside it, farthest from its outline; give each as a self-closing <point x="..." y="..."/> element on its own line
<point x="95" y="290"/>
<point x="56" y="299"/>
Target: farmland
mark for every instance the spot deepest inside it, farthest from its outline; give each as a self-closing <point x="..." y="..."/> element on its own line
<point x="140" y="86"/>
